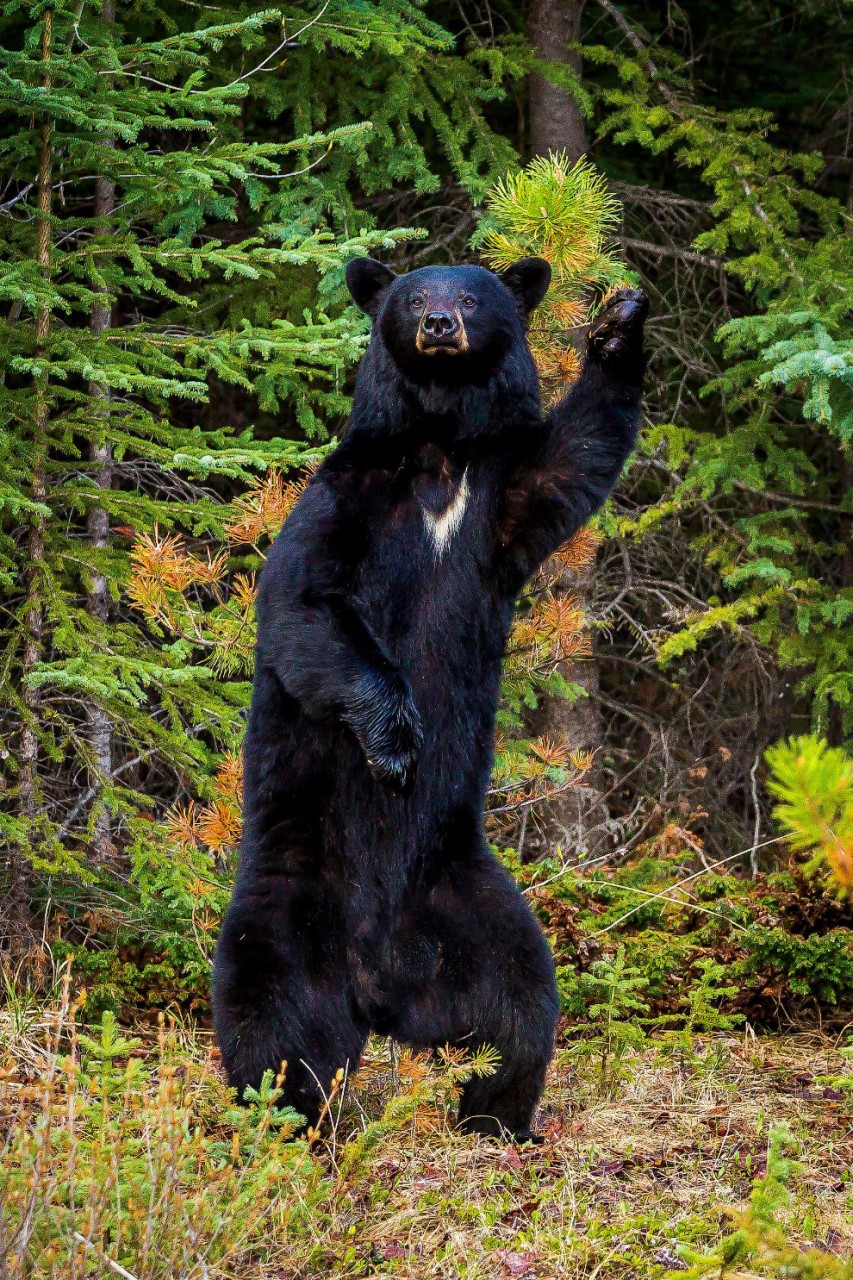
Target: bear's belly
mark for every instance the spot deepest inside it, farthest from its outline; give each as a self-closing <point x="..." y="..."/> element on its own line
<point x="391" y="959"/>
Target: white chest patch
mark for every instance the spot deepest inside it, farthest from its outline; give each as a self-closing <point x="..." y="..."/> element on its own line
<point x="442" y="528"/>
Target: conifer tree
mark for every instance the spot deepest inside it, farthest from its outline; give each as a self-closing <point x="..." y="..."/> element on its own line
<point x="126" y="174"/>
<point x="777" y="458"/>
<point x="178" y="202"/>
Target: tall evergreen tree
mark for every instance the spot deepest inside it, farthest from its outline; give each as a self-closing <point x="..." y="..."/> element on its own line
<point x="169" y="272"/>
<point x="778" y="458"/>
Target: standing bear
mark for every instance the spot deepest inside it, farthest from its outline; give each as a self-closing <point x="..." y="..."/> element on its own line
<point x="366" y="896"/>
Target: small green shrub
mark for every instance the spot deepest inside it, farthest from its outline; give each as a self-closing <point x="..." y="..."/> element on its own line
<point x="121" y="1160"/>
<point x="819" y="966"/>
<point x="611" y="992"/>
<point x="813" y="784"/>
<point x="760" y="1243"/>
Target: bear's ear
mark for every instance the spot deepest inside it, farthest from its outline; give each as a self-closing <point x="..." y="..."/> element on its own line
<point x="528" y="281"/>
<point x="367" y="280"/>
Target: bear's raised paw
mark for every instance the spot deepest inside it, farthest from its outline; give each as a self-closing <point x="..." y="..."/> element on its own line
<point x="616" y="333"/>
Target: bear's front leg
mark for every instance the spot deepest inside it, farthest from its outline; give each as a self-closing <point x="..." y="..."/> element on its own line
<point x="381" y="713"/>
<point x="576" y="460"/>
<point x="312" y="634"/>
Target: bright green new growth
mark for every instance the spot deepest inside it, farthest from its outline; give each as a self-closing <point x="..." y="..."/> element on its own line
<point x="813" y="785"/>
<point x="760" y="1243"/>
<point x="552" y="207"/>
<point x="562" y="212"/>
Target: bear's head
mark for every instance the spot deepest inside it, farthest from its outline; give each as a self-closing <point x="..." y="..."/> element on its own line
<point x="448" y="324"/>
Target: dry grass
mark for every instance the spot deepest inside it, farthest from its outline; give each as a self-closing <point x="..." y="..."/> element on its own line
<point x="618" y="1182"/>
<point x="387" y="1188"/>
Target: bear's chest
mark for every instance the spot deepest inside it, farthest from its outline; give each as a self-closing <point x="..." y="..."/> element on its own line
<point x="425" y="586"/>
<point x="428" y="547"/>
<point x="441" y="490"/>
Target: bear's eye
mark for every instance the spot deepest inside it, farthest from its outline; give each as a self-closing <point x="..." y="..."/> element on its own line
<point x="468" y="301"/>
<point x="417" y="303"/>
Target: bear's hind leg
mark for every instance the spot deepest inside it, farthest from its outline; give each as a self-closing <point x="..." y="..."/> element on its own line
<point x="518" y="1018"/>
<point x="281" y="992"/>
<point x="494" y="985"/>
<point x="504" y="1105"/>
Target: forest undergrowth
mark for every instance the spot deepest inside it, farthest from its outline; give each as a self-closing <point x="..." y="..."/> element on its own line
<point x="685" y="1150"/>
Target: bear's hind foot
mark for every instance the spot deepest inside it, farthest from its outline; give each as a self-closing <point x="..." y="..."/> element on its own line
<point x="490" y="1127"/>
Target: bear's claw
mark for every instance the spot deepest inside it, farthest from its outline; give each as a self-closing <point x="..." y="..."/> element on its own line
<point x="388" y="726"/>
<point x="490" y="1127"/>
<point x="617" y="331"/>
<point x="396" y="770"/>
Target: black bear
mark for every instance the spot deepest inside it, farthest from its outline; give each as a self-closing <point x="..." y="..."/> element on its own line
<point x="366" y="896"/>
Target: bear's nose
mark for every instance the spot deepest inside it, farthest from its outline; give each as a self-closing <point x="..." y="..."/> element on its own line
<point x="439" y="324"/>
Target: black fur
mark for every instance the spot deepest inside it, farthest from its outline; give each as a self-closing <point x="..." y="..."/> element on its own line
<point x="366" y="896"/>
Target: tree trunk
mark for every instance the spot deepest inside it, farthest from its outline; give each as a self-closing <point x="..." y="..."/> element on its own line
<point x="556" y="123"/>
<point x="18" y="864"/>
<point x="573" y="819"/>
<point x="99" y="727"/>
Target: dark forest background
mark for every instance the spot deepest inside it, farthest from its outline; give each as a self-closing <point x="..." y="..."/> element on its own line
<point x="181" y="188"/>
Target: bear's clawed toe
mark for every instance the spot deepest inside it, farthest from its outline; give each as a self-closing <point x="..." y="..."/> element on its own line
<point x="387" y="724"/>
<point x="395" y="769"/>
<point x="617" y="331"/>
